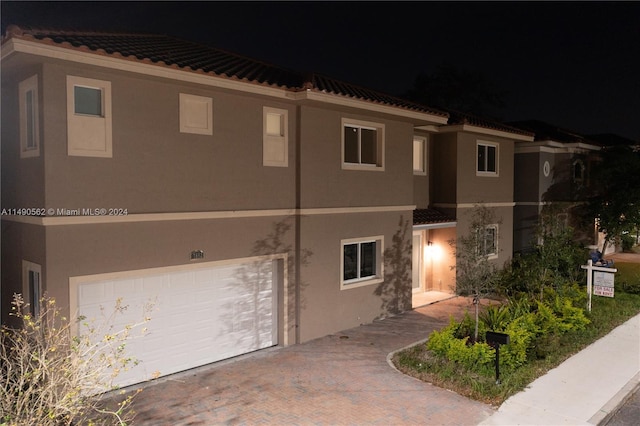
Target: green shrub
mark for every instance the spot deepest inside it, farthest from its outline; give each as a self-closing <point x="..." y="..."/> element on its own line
<point x="473" y="356"/>
<point x="495" y="317"/>
<point x="628" y="241"/>
<point x="522" y="333"/>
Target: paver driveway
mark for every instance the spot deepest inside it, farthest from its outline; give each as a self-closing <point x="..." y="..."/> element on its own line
<point x="340" y="379"/>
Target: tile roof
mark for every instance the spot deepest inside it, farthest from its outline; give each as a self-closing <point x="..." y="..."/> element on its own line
<point x="456" y="117"/>
<point x="545" y="131"/>
<point x="427" y="216"/>
<point x="163" y="50"/>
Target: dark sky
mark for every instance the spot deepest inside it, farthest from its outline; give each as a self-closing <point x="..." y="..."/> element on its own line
<point x="572" y="64"/>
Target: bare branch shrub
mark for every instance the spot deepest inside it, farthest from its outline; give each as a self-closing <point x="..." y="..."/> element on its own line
<point x="54" y="371"/>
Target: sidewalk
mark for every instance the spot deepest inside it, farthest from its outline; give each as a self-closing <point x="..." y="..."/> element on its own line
<point x="584" y="390"/>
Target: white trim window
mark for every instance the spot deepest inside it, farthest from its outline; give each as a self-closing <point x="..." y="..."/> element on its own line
<point x="29" y="117"/>
<point x="196" y="114"/>
<point x="487" y="159"/>
<point x="32" y="285"/>
<point x="420" y="155"/>
<point x="488" y="241"/>
<point x="361" y="262"/>
<point x="88" y="117"/>
<point x="362" y="145"/>
<point x="275" y="137"/>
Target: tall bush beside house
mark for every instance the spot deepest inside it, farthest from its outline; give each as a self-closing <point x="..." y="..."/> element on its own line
<point x="51" y="375"/>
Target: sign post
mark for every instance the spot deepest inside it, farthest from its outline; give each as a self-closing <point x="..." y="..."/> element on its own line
<point x="603" y="284"/>
<point x="494" y="340"/>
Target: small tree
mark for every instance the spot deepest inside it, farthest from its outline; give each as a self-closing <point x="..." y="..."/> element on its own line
<point x="475" y="274"/>
<point x="50" y="375"/>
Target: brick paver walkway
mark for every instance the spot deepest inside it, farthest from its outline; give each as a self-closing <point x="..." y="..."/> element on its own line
<point x="340" y="379"/>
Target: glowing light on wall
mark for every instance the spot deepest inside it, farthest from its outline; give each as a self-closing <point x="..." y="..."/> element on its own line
<point x="432" y="252"/>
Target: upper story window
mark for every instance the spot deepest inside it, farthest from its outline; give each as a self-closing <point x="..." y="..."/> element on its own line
<point x="275" y="137"/>
<point x="487" y="155"/>
<point x="362" y="145"/>
<point x="29" y="117"/>
<point x="361" y="262"/>
<point x="196" y="114"/>
<point x="88" y="117"/>
<point x="487" y="239"/>
<point x="419" y="155"/>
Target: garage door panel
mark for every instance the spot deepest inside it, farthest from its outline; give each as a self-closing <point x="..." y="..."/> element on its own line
<point x="198" y="317"/>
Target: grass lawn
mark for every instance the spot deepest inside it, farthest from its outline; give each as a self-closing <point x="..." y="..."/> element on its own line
<point x="606" y="314"/>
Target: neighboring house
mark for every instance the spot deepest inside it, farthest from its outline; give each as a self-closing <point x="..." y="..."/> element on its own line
<point x="251" y="204"/>
<point x="555" y="168"/>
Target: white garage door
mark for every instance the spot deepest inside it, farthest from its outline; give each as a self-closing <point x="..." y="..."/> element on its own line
<point x="199" y="316"/>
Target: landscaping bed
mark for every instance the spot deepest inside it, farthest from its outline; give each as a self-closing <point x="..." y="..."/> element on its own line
<point x="543" y="333"/>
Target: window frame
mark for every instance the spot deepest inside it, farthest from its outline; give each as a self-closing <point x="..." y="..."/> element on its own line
<point x="379" y="128"/>
<point x="485" y="145"/>
<point x="376" y="278"/>
<point x="29" y="113"/>
<point x="482" y="251"/>
<point x="575" y="164"/>
<point x="423" y="141"/>
<point x="34" y="294"/>
<point x="81" y="126"/>
<point x="269" y="140"/>
<point x="186" y="99"/>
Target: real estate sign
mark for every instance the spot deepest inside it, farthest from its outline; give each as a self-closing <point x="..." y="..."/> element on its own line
<point x="603" y="283"/>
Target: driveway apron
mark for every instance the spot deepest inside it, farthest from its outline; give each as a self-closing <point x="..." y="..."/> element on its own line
<point x="340" y="379"/>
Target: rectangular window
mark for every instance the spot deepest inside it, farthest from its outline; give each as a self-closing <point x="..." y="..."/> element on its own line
<point x="88" y="100"/>
<point x="275" y="139"/>
<point x="362" y="145"/>
<point x="487" y="159"/>
<point x="29" y="119"/>
<point x="361" y="262"/>
<point x="196" y="114"/>
<point x="419" y="155"/>
<point x="488" y="241"/>
<point x="88" y="117"/>
<point x="32" y="285"/>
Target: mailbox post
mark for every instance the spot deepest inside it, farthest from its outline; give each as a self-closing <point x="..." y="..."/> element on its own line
<point x="495" y="339"/>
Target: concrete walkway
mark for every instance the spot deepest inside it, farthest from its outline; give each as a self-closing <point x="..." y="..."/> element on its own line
<point x="584" y="390"/>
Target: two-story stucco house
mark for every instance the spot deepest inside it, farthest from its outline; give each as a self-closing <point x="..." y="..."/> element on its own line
<point x="251" y="205"/>
<point x="555" y="168"/>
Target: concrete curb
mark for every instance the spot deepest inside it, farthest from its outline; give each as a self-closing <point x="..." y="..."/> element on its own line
<point x="605" y="414"/>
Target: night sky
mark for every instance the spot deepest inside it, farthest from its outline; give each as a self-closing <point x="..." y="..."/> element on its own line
<point x="573" y="64"/>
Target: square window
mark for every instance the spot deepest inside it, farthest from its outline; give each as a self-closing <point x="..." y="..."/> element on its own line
<point x="361" y="262"/>
<point x="87" y="100"/>
<point x="362" y="145"/>
<point x="196" y="114"/>
<point x="487" y="159"/>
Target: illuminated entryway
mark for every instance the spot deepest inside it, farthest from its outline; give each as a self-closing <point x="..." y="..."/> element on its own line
<point x="433" y="278"/>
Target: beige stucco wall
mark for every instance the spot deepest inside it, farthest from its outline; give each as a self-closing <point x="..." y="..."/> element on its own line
<point x="483" y="189"/>
<point x="325" y="308"/>
<point x="445" y="154"/>
<point x="323" y="182"/>
<point x="155" y="168"/>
